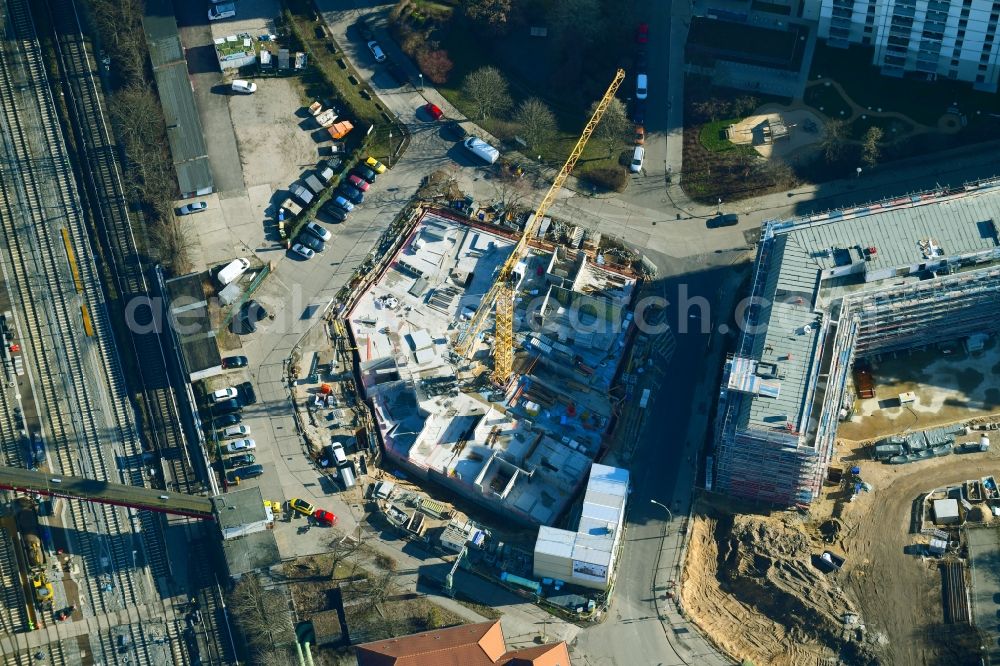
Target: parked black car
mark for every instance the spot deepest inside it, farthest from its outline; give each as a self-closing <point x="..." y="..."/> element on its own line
<point x="247" y="395"/>
<point x="234" y="362"/>
<point x="243" y="473"/>
<point x="311" y="242"/>
<point x="333" y="211"/>
<point x="228" y="420"/>
<point x="364" y="172"/>
<point x="227" y="406"/>
<point x="353" y="194"/>
<point x="727" y="220"/>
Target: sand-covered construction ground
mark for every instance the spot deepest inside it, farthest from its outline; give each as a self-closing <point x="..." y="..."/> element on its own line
<point x="949" y="388"/>
<point x="750" y="583"/>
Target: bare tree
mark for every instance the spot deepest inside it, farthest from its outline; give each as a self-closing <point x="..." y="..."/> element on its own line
<point x="488" y="89"/>
<point x="262" y="614"/>
<point x="341" y="547"/>
<point x="712" y="108"/>
<point x="435" y="64"/>
<point x="536" y="120"/>
<point x="275" y="656"/>
<point x="871" y="151"/>
<point x="171" y="243"/>
<point x="489" y="13"/>
<point x="509" y="191"/>
<point x="380" y="587"/>
<point x="120" y="25"/>
<point x="834" y="133"/>
<point x="614" y="126"/>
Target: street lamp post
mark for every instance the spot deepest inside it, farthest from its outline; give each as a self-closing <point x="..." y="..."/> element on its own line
<point x="720" y="213"/>
<point x="421" y="75"/>
<point x="390" y="149"/>
<point x="670" y="515"/>
<point x="859" y="172"/>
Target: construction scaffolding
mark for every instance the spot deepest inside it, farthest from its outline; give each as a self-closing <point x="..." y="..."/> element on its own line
<point x="833" y="287"/>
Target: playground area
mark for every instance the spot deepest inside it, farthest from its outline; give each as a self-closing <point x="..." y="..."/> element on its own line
<point x="777" y="132"/>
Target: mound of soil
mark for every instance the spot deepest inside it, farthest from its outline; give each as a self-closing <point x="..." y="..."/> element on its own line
<point x="751" y="586"/>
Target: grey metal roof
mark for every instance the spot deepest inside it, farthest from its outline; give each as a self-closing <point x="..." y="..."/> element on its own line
<point x="184" y="130"/>
<point x="956" y="225"/>
<point x="239" y="507"/>
<point x="795" y="295"/>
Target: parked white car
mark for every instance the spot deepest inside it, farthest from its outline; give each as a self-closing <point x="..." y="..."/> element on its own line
<point x="317" y="230"/>
<point x="243" y="86"/>
<point x="236" y="431"/>
<point x="302" y="251"/>
<point x="241" y="446"/>
<point x="223" y="394"/>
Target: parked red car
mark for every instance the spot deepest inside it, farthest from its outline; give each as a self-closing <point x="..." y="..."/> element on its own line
<point x="642" y="33"/>
<point x="433" y="111"/>
<point x="358" y="182"/>
<point x="324" y="517"/>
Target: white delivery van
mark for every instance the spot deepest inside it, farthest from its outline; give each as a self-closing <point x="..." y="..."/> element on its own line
<point x="481" y="149"/>
<point x="635" y="166"/>
<point x="222" y="11"/>
<point x="233" y="270"/>
<point x="243" y="86"/>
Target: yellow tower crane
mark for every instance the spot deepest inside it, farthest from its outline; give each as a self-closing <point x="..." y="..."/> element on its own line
<point x="502" y="291"/>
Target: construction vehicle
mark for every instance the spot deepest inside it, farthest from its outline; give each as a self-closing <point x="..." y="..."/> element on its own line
<point x="26" y="519"/>
<point x="43" y="590"/>
<point x="501" y="293"/>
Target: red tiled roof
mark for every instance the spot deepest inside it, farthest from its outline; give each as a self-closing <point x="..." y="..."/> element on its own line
<point x="552" y="654"/>
<point x="468" y="645"/>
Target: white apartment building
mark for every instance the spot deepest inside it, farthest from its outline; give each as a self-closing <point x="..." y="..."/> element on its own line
<point x="954" y="39"/>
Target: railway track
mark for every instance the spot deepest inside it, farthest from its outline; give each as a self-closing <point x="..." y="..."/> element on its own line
<point x="38" y="179"/>
<point x="102" y="184"/>
<point x="13" y="616"/>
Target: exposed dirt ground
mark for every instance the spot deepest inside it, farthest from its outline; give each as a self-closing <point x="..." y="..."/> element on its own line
<point x="749" y="584"/>
<point x="765" y="601"/>
<point x="274" y="136"/>
<point x="948" y="388"/>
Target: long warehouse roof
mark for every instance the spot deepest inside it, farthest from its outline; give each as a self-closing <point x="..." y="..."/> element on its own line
<point x="74" y="487"/>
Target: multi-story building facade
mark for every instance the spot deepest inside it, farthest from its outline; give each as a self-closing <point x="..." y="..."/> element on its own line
<point x="948" y="39"/>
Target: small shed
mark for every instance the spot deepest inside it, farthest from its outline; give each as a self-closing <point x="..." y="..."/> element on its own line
<point x="326" y="627"/>
<point x="946" y="512"/>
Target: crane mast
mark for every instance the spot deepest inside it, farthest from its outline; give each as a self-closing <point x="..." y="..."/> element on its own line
<point x="501" y="292"/>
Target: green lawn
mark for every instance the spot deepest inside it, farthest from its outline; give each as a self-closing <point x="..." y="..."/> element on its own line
<point x="713" y="137"/>
<point x="923" y="101"/>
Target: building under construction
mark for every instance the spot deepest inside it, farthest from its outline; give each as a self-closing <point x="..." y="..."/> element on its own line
<point x="523" y="449"/>
<point x="832" y="288"/>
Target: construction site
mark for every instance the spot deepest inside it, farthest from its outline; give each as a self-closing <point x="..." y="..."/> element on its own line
<point x="858" y="406"/>
<point x="523" y="448"/>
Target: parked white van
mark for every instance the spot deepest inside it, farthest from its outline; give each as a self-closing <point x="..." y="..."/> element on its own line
<point x="233" y="270"/>
<point x="246" y="87"/>
<point x="223" y="11"/>
<point x="637" y="155"/>
<point x="481" y="149"/>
